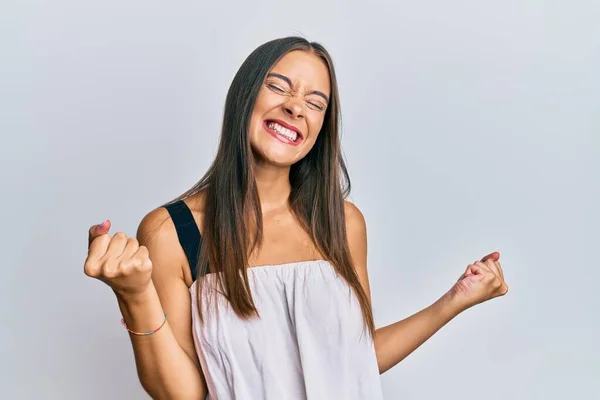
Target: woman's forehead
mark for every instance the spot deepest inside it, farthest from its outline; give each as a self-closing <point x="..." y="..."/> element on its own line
<point x="304" y="69"/>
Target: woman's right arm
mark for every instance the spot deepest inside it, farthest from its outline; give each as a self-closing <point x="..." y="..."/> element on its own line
<point x="166" y="361"/>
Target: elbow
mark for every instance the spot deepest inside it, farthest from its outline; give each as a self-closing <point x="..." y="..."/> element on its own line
<point x="382" y="368"/>
<point x="154" y="390"/>
<point x="158" y="390"/>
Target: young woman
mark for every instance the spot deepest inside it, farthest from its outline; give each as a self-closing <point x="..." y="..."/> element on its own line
<point x="253" y="284"/>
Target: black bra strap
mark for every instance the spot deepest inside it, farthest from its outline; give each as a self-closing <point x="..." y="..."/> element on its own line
<point x="187" y="232"/>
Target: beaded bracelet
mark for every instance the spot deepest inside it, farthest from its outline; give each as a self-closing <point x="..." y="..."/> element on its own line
<point x="144" y="333"/>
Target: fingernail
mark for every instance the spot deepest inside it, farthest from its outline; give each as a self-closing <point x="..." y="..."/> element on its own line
<point x="101" y="224"/>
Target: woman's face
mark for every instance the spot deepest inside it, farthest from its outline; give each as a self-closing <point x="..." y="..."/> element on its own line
<point x="290" y="109"/>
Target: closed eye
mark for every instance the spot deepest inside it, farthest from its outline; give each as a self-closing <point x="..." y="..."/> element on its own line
<point x="279" y="90"/>
<point x="276" y="88"/>
<point x="316" y="106"/>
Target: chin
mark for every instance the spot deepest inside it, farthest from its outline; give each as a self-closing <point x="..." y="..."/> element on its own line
<point x="278" y="160"/>
<point x="277" y="154"/>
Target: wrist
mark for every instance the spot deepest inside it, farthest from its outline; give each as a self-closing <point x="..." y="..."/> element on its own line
<point x="137" y="297"/>
<point x="139" y="303"/>
<point x="142" y="310"/>
<point x="452" y="304"/>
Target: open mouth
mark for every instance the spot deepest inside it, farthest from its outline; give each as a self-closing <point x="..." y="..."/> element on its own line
<point x="283" y="131"/>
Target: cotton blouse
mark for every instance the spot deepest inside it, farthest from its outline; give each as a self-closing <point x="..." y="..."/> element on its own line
<point x="309" y="341"/>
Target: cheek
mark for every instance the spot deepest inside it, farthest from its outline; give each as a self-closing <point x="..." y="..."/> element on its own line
<point x="262" y="105"/>
<point x="255" y="121"/>
<point x="315" y="127"/>
<point x="265" y="101"/>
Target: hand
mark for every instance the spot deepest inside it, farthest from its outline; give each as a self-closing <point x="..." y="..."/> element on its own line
<point x="120" y="262"/>
<point x="483" y="280"/>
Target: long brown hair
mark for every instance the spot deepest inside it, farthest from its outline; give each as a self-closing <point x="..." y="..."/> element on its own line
<point x="232" y="224"/>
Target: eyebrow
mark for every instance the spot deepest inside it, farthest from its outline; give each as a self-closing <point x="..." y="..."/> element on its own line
<point x="289" y="82"/>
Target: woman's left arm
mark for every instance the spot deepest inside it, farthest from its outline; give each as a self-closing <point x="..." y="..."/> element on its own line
<point x="481" y="281"/>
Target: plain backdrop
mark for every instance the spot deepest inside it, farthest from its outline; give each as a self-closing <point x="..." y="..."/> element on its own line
<point x="468" y="127"/>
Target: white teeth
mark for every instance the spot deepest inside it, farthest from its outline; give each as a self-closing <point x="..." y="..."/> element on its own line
<point x="283" y="131"/>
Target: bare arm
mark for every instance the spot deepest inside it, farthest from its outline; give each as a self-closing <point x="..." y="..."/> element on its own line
<point x="393" y="343"/>
<point x="166" y="361"/>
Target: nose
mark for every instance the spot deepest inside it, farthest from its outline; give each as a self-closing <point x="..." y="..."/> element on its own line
<point x="294" y="108"/>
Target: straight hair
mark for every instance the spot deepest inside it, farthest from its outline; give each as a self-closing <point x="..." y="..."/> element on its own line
<point x="232" y="224"/>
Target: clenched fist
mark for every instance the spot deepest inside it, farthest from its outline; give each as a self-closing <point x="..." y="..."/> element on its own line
<point x="483" y="280"/>
<point x="119" y="261"/>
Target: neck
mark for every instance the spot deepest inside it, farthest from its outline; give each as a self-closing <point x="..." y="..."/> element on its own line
<point x="273" y="185"/>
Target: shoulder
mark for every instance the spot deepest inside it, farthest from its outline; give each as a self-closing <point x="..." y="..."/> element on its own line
<point x="356" y="232"/>
<point x="355" y="220"/>
<point x="157" y="225"/>
<point x="157" y="232"/>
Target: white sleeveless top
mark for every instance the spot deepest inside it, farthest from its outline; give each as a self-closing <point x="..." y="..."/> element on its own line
<point x="309" y="342"/>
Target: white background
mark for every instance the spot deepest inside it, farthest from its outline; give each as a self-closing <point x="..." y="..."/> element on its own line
<point x="468" y="127"/>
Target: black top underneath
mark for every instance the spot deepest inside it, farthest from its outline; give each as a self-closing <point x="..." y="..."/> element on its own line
<point x="187" y="232"/>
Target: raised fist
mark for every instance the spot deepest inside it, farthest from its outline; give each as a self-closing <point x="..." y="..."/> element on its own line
<point x="119" y="261"/>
